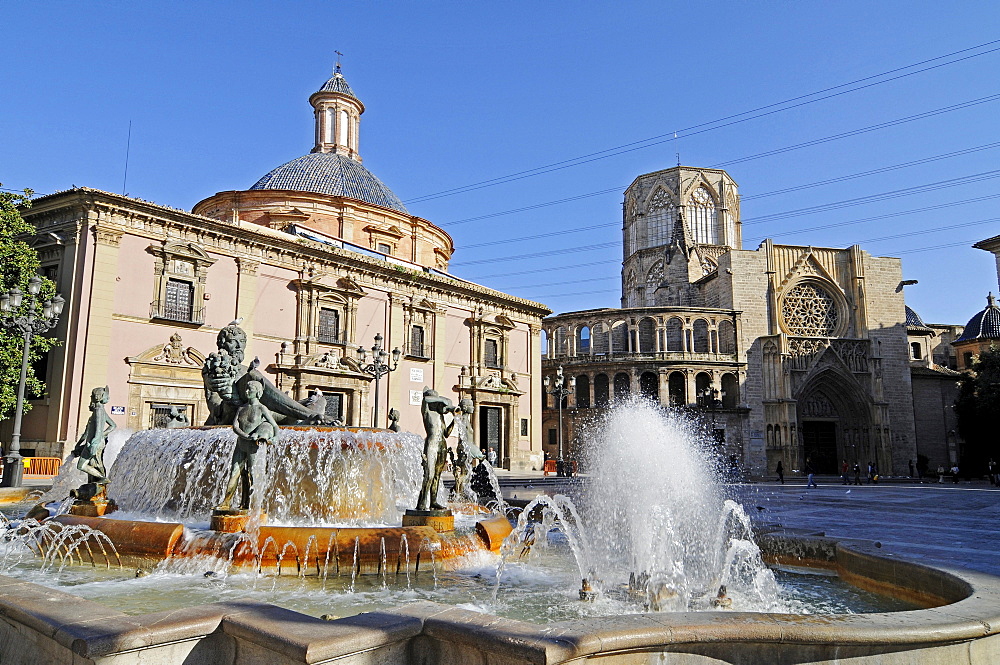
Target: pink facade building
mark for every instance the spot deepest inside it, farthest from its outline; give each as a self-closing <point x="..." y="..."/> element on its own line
<point x="315" y="259"/>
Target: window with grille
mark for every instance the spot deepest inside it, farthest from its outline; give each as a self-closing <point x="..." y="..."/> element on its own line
<point x="524" y="427"/>
<point x="179" y="302"/>
<point x="417" y="339"/>
<point x="492" y="354"/>
<point x="329" y="326"/>
<point x="334" y="409"/>
<point x="159" y="413"/>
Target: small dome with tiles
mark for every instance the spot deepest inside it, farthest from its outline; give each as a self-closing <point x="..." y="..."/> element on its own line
<point x="985" y="324"/>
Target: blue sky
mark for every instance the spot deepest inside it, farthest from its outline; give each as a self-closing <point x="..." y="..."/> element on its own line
<point x="458" y="93"/>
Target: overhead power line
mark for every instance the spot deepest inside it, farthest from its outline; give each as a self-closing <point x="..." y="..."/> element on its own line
<point x="751" y="197"/>
<point x="895" y="236"/>
<point x="834" y="205"/>
<point x="874" y="198"/>
<point x="898" y="213"/>
<point x="759" y="112"/>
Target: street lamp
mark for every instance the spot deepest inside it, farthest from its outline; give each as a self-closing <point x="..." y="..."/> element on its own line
<point x="556" y="388"/>
<point x="29" y="323"/>
<point x="377" y="367"/>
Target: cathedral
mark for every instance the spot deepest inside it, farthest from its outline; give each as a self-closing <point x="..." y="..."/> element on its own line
<point x="787" y="353"/>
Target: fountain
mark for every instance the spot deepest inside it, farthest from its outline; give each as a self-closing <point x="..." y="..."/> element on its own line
<point x="651" y="561"/>
<point x="301" y="496"/>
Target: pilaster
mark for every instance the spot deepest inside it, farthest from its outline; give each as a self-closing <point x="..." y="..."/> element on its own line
<point x="246" y="293"/>
<point x="102" y="304"/>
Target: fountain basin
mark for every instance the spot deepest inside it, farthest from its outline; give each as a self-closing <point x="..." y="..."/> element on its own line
<point x="284" y="550"/>
<point x="46" y="625"/>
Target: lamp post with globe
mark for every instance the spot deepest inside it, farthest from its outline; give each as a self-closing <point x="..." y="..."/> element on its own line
<point x="28" y="321"/>
<point x="377" y="367"/>
<point x="556" y="387"/>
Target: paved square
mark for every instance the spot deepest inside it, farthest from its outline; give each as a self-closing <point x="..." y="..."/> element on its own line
<point x="957" y="525"/>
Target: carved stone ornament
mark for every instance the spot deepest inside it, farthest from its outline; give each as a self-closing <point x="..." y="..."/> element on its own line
<point x="175" y="353"/>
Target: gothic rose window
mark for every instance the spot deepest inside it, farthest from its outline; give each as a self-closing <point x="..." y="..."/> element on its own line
<point x="809" y="310"/>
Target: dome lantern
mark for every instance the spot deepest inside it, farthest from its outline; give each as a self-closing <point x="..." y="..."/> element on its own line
<point x="337" y="114"/>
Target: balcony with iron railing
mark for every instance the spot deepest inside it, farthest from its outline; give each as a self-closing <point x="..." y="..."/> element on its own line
<point x="168" y="311"/>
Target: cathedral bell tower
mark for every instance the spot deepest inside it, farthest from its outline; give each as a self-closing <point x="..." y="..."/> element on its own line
<point x="338" y="117"/>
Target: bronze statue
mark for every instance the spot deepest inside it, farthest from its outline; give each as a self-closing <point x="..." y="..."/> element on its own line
<point x="254" y="425"/>
<point x="226" y="378"/>
<point x="176" y="418"/>
<point x="90" y="446"/>
<point x="434" y="408"/>
<point x="393" y="420"/>
<point x="467" y="450"/>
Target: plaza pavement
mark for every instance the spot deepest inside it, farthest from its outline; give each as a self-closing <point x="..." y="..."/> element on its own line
<point x="951" y="524"/>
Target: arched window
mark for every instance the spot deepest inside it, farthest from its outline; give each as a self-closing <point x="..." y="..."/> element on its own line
<point x="677" y="387"/>
<point x="702" y="217"/>
<point x="560" y="341"/>
<point x="630" y="290"/>
<point x="700" y="329"/>
<point x="727" y="338"/>
<point x="915" y="351"/>
<point x="544" y="343"/>
<point x="619" y="338"/>
<point x="601" y="396"/>
<point x="703" y="387"/>
<point x="583" y="340"/>
<point x="623" y="386"/>
<point x="653" y="280"/>
<point x="649" y="385"/>
<point x="583" y="391"/>
<point x="660" y="215"/>
<point x="675" y="335"/>
<point x="342" y="129"/>
<point x="600" y="341"/>
<point x="730" y="391"/>
<point x="647" y="336"/>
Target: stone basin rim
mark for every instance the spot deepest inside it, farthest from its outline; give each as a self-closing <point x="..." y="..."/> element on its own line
<point x="974" y="615"/>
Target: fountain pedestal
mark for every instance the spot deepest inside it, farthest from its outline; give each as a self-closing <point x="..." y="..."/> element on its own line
<point x="441" y="521"/>
<point x="91" y="501"/>
<point x="232" y="521"/>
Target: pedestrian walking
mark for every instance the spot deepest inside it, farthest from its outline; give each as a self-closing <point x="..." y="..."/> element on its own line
<point x="857" y="473"/>
<point x="811" y="472"/>
<point x="991" y="468"/>
<point x="940" y="472"/>
<point x="871" y="472"/>
<point x="780" y="470"/>
<point x="911" y="467"/>
<point x="843" y="472"/>
<point x="954" y="474"/>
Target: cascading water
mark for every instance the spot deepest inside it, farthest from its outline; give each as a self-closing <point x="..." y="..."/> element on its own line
<point x="654" y="525"/>
<point x="309" y="476"/>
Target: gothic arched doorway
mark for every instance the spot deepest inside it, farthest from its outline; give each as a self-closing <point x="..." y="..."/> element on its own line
<point x="834" y="422"/>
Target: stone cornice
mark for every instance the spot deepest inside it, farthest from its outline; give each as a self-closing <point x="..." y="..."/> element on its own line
<point x="256" y="242"/>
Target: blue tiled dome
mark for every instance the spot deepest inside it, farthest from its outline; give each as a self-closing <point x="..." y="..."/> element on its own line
<point x="333" y="174"/>
<point x="985" y="324"/>
<point x="337" y="83"/>
<point x="913" y="320"/>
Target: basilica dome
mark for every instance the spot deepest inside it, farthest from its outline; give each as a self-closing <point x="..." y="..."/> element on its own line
<point x="985" y="324"/>
<point x="334" y="174"/>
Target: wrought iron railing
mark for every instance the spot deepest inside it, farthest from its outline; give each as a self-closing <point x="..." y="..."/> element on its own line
<point x="160" y="309"/>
